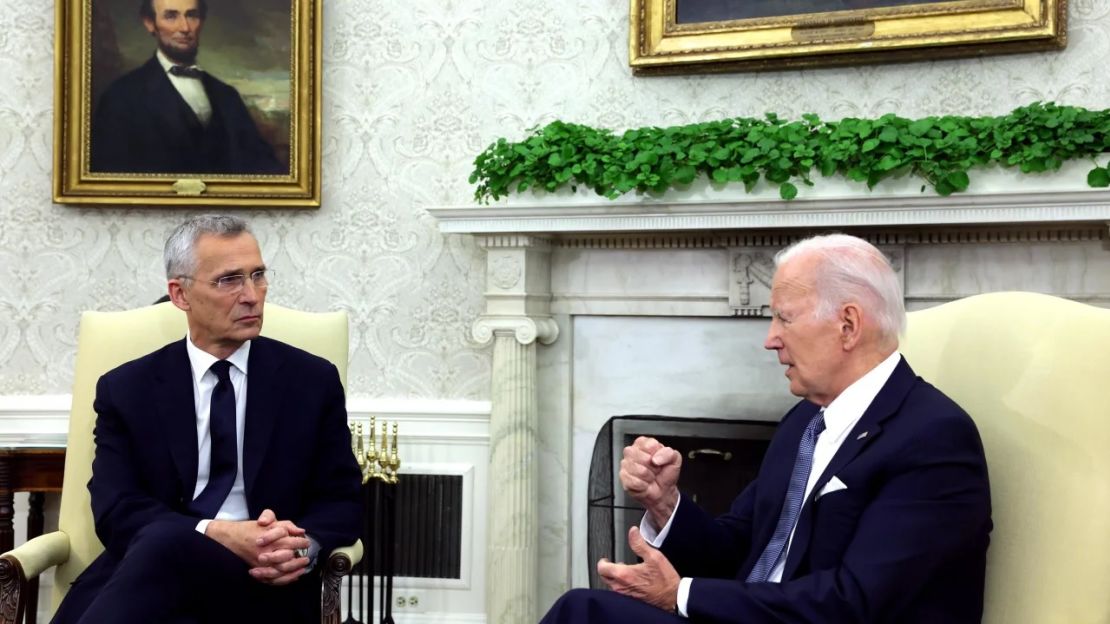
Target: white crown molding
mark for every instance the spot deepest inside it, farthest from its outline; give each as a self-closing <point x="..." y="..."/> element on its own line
<point x="938" y="235"/>
<point x="862" y="212"/>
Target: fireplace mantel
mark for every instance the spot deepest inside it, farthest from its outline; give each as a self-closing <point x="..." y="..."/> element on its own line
<point x="575" y="282"/>
<point x="564" y="217"/>
<point x="1060" y="197"/>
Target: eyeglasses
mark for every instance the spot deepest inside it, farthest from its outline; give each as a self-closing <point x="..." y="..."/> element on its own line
<point x="234" y="283"/>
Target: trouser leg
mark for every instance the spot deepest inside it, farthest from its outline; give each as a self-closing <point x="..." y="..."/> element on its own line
<point x="170" y="573"/>
<point x="594" y="606"/>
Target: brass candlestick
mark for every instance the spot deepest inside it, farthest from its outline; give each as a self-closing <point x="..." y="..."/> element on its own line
<point x="394" y="458"/>
<point x="382" y="464"/>
<point x="354" y="444"/>
<point x="383" y="458"/>
<point x="372" y="454"/>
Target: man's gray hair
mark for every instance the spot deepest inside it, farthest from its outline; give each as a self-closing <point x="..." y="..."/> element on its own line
<point x="180" y="253"/>
<point x="852" y="269"/>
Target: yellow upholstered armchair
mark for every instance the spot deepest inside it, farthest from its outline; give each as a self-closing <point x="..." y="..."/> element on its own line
<point x="106" y="340"/>
<point x="1033" y="372"/>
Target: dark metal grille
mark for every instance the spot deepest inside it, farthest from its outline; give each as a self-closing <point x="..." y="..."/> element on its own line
<point x="428" y="534"/>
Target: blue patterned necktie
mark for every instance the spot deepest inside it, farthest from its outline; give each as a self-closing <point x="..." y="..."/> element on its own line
<point x="225" y="455"/>
<point x="792" y="504"/>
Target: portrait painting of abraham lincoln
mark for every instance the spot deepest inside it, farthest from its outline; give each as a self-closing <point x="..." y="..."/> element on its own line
<point x="186" y="87"/>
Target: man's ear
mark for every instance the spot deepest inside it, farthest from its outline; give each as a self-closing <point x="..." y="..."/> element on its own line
<point x="178" y="295"/>
<point x="851" y="325"/>
<point x="149" y="23"/>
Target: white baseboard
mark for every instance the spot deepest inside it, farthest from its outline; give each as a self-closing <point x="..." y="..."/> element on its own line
<point x="440" y="618"/>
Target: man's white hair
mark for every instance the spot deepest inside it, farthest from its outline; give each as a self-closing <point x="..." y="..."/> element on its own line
<point x="180" y="252"/>
<point x="852" y="269"/>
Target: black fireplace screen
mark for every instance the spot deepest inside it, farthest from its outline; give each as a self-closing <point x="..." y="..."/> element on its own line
<point x="719" y="456"/>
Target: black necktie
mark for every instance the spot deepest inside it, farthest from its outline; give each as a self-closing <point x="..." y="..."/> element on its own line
<point x="191" y="71"/>
<point x="225" y="457"/>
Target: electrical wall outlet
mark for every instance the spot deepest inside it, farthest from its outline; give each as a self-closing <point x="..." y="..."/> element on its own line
<point x="409" y="601"/>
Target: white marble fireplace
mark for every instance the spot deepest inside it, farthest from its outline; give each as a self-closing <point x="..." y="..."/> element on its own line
<point x="656" y="306"/>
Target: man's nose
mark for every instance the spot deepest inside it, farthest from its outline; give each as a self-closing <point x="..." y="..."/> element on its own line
<point x="772" y="340"/>
<point x="249" y="294"/>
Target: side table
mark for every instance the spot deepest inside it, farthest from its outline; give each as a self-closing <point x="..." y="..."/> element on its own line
<point x="34" y="469"/>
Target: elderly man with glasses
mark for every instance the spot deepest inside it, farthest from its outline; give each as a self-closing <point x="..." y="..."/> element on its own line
<point x="223" y="464"/>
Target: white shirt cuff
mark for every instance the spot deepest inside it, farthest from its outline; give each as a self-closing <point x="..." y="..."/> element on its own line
<point x="202" y="526"/>
<point x="683" y="595"/>
<point x="313" y="550"/>
<point x="648" y="532"/>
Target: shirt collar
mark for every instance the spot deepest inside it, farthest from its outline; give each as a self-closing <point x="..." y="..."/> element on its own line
<point x="200" y="361"/>
<point x="846" y="409"/>
<point x="166" y="63"/>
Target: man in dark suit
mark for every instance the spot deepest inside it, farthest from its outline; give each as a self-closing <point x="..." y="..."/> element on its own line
<point x="872" y="503"/>
<point x="169" y="116"/>
<point x="223" y="473"/>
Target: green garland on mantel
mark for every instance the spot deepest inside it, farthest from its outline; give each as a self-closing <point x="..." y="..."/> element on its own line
<point x="940" y="150"/>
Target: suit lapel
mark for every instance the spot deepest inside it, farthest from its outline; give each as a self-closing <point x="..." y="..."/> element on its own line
<point x="172" y="111"/>
<point x="177" y="413"/>
<point x="884" y="406"/>
<point x="263" y="401"/>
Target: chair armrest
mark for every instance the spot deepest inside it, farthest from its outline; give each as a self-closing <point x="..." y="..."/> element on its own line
<point x="27" y="562"/>
<point x="41" y="553"/>
<point x="340" y="563"/>
<point x="353" y="554"/>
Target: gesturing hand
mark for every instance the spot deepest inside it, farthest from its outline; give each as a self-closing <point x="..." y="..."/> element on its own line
<point x="649" y="473"/>
<point x="654" y="581"/>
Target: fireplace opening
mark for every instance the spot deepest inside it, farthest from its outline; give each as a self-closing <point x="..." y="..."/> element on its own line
<point x="719" y="458"/>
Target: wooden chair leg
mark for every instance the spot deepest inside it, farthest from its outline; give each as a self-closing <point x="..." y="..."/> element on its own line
<point x="13" y="591"/>
<point x="338" y="566"/>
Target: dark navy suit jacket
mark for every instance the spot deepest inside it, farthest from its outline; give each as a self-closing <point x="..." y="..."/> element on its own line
<point x="297" y="456"/>
<point x="142" y="125"/>
<point x="905" y="542"/>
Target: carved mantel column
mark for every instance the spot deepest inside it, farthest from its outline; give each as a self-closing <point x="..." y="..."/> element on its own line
<point x="517" y="315"/>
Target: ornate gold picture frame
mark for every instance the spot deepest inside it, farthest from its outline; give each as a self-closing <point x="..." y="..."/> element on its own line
<point x="150" y="112"/>
<point x="672" y="36"/>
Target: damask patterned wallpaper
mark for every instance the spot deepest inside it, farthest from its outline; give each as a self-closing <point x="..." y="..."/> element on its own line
<point x="413" y="90"/>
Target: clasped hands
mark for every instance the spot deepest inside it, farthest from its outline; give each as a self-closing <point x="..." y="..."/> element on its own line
<point x="268" y="545"/>
<point x="649" y="473"/>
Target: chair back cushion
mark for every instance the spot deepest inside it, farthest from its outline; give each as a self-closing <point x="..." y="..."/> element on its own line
<point x="1032" y="370"/>
<point x="108" y="339"/>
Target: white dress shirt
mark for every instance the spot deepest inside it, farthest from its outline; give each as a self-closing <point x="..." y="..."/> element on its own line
<point x="204" y="382"/>
<point x="841" y="417"/>
<point x="191" y="90"/>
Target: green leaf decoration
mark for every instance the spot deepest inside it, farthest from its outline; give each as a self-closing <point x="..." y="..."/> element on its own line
<point x="1099" y="177"/>
<point x="958" y="180"/>
<point x="941" y="151"/>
